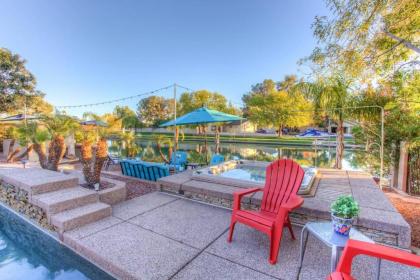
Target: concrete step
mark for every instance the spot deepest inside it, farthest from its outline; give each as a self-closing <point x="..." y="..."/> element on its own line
<point x="65" y="199"/>
<point x="37" y="180"/>
<point x="80" y="216"/>
<point x="54" y="185"/>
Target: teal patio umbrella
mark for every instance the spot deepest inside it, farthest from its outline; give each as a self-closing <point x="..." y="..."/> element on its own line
<point x="202" y="115"/>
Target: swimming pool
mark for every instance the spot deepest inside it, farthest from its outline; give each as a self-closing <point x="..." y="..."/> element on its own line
<point x="246" y="173"/>
<point x="28" y="253"/>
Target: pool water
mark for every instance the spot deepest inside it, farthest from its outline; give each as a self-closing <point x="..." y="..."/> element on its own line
<point x="29" y="254"/>
<point x="257" y="174"/>
<point x="248" y="173"/>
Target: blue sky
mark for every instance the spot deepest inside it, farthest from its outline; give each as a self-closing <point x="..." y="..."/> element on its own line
<point x="92" y="51"/>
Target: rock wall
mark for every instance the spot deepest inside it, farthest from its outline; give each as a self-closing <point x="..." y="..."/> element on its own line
<point x="18" y="199"/>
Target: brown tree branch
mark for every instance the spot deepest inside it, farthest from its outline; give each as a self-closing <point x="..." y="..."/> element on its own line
<point x="406" y="43"/>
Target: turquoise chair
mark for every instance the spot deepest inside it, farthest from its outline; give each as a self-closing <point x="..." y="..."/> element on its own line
<point x="144" y="170"/>
<point x="216" y="159"/>
<point x="126" y="168"/>
<point x="157" y="171"/>
<point x="139" y="170"/>
<point x="178" y="160"/>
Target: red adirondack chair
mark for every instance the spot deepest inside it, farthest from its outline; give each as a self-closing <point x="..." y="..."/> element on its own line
<point x="354" y="248"/>
<point x="282" y="182"/>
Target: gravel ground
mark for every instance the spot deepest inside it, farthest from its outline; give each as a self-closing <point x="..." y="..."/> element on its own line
<point x="410" y="209"/>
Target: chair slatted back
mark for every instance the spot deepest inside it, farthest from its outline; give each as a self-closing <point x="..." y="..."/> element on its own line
<point x="123" y="167"/>
<point x="179" y="158"/>
<point x="216" y="159"/>
<point x="144" y="170"/>
<point x="283" y="179"/>
<point x="157" y="172"/>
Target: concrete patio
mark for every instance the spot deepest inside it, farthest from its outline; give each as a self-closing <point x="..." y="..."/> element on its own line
<point x="378" y="217"/>
<point x="159" y="236"/>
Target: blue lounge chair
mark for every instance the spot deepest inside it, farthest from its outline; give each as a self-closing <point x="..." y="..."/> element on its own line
<point x="178" y="161"/>
<point x="216" y="159"/>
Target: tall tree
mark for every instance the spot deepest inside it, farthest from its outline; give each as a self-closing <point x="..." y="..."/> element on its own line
<point x="190" y="101"/>
<point x="367" y="37"/>
<point x="127" y="117"/>
<point x="153" y="110"/>
<point x="267" y="106"/>
<point x="401" y="101"/>
<point x="35" y="104"/>
<point x="15" y="81"/>
<point x="331" y="95"/>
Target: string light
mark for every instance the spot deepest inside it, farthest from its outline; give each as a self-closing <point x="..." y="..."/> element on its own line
<point x="115" y="100"/>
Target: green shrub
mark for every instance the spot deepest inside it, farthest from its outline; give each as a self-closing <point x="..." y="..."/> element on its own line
<point x="345" y="207"/>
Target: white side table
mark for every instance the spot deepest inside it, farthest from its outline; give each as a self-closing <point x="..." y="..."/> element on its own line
<point x="324" y="232"/>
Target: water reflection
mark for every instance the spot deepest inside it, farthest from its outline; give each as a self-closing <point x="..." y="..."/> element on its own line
<point x="27" y="253"/>
<point x="307" y="156"/>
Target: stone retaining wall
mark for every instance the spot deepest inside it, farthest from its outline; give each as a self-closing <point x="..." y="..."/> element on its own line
<point x="18" y="199"/>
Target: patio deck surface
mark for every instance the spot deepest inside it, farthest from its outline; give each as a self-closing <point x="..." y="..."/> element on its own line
<point x="158" y="236"/>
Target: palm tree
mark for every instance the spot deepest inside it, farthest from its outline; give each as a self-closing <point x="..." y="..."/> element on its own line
<point x="129" y="141"/>
<point x="161" y="141"/>
<point x="58" y="127"/>
<point x="331" y="96"/>
<point x="12" y="134"/>
<point x="92" y="167"/>
<point x="35" y="134"/>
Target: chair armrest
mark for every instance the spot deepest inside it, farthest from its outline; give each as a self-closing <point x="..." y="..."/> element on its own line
<point x="355" y="247"/>
<point x="293" y="203"/>
<point x="237" y="196"/>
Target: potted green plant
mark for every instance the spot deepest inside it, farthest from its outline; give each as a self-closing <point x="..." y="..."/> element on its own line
<point x="343" y="212"/>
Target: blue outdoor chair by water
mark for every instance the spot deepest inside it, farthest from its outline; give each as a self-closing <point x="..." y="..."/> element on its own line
<point x="216" y="159"/>
<point x="150" y="171"/>
<point x="178" y="161"/>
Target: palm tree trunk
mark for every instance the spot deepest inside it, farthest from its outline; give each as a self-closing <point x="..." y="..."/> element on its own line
<point x="86" y="159"/>
<point x="280" y="134"/>
<point x="39" y="150"/>
<point x="24" y="154"/>
<point x="159" y="148"/>
<point x="56" y="150"/>
<point x="11" y="145"/>
<point x="12" y="155"/>
<point x="340" y="144"/>
<point x="100" y="158"/>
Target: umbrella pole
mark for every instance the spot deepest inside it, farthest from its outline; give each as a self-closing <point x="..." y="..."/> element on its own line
<point x="176" y="130"/>
<point x="205" y="144"/>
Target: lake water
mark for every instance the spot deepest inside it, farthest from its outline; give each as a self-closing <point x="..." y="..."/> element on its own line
<point x="306" y="156"/>
<point x="26" y="253"/>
